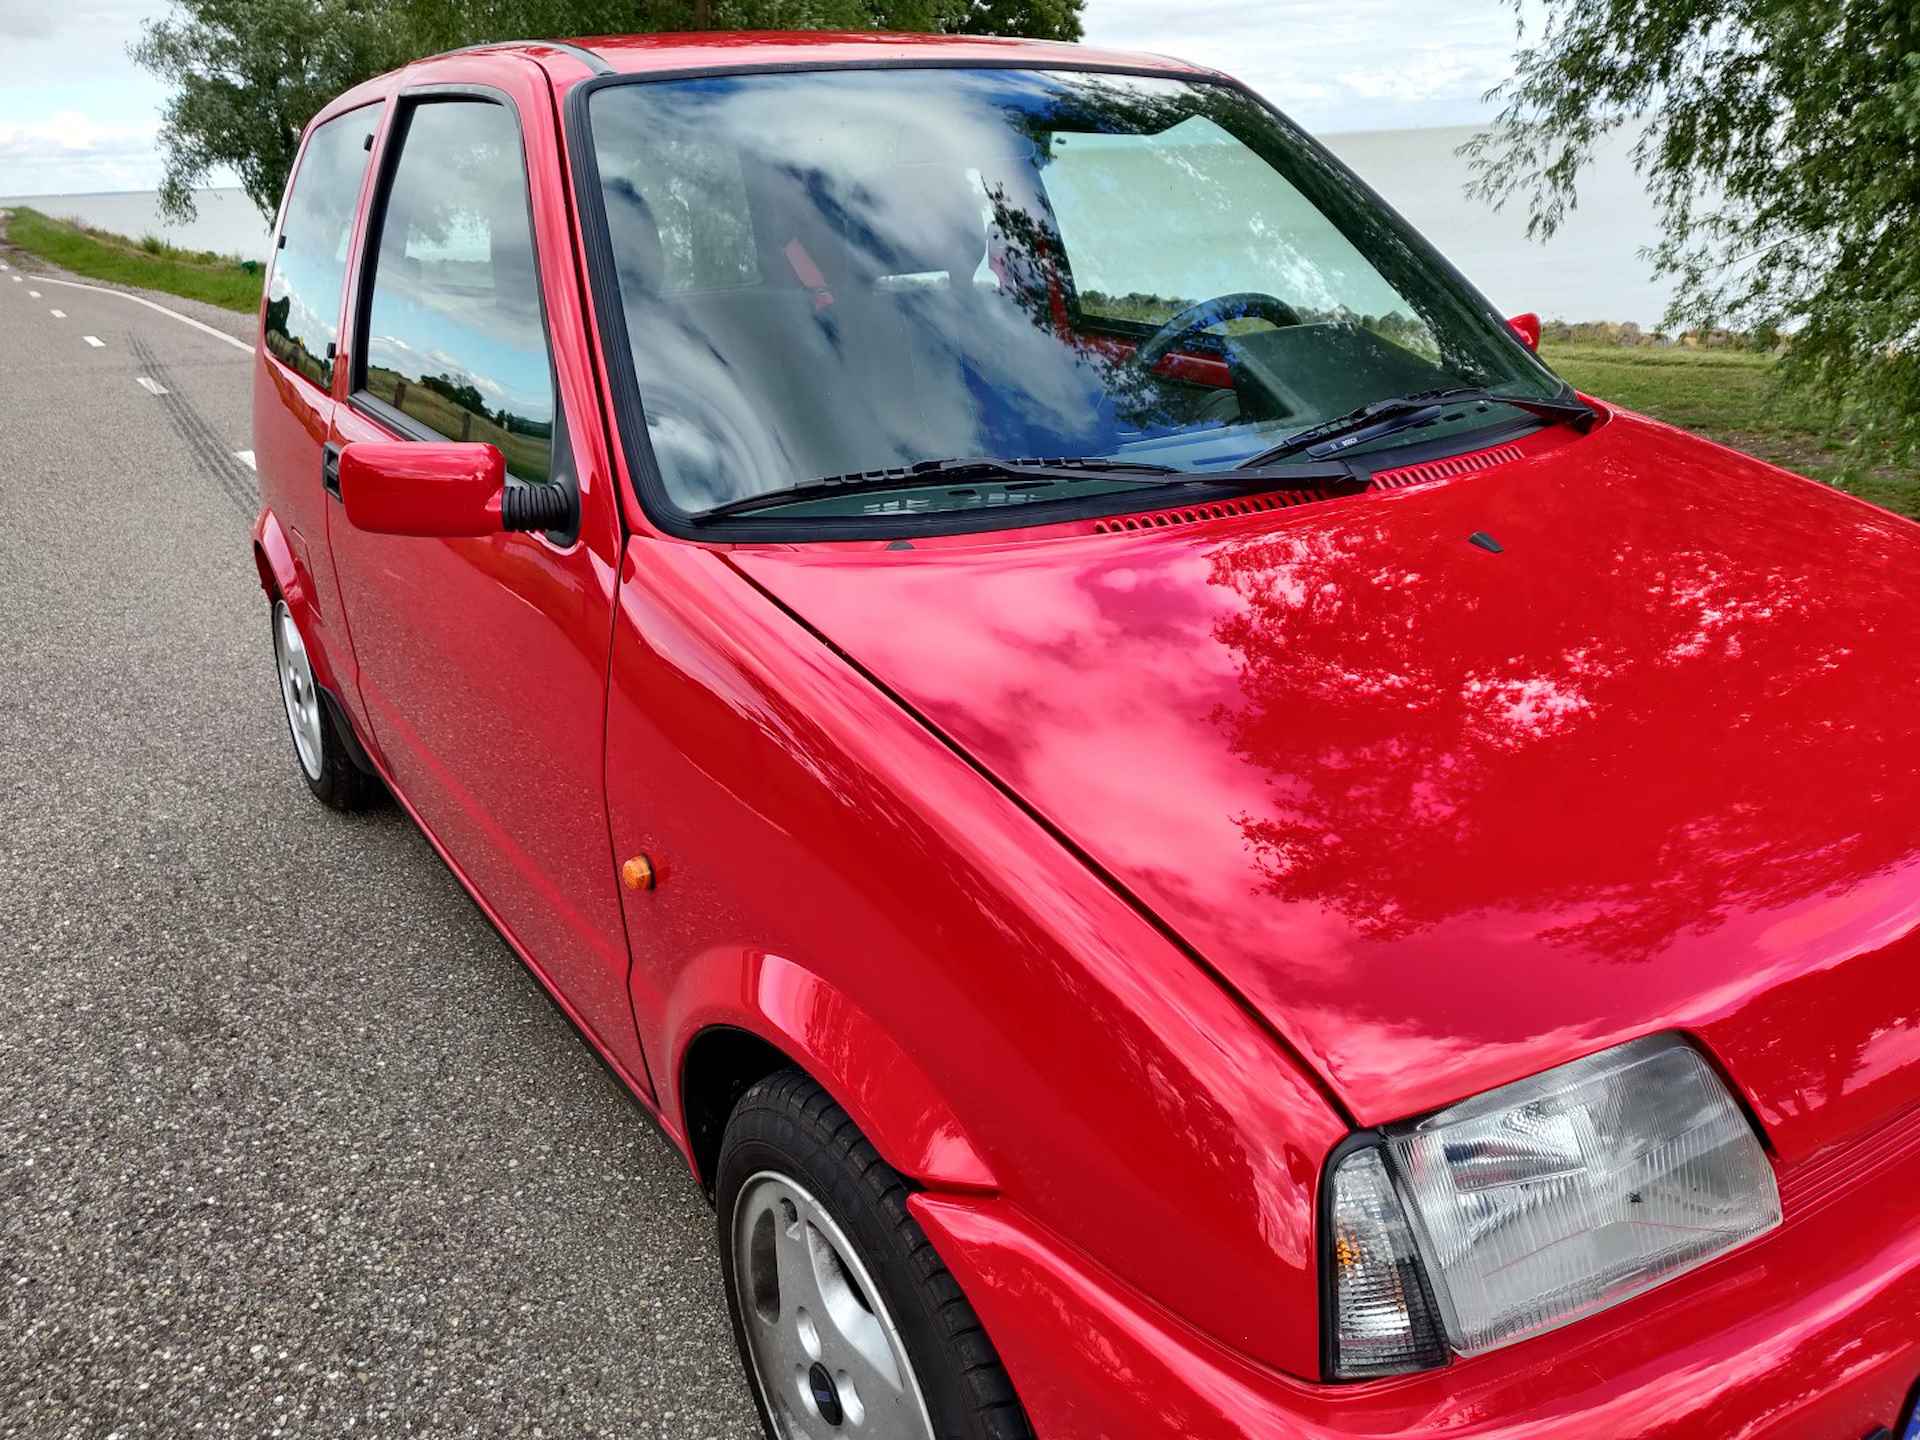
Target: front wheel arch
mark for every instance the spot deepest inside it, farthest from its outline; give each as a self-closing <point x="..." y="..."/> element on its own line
<point x="780" y="1014"/>
<point x="721" y="1064"/>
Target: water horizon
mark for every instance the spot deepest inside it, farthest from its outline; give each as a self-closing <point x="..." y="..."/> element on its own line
<point x="226" y="223"/>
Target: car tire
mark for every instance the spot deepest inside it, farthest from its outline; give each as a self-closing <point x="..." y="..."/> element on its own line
<point x="321" y="755"/>
<point x="836" y="1292"/>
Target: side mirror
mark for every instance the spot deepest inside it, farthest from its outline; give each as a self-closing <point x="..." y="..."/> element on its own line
<point x="401" y="487"/>
<point x="1527" y="327"/>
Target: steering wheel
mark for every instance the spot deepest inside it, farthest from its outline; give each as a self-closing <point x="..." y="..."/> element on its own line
<point x="1248" y="305"/>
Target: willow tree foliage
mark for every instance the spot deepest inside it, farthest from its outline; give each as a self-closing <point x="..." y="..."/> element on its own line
<point x="247" y="75"/>
<point x="1781" y="141"/>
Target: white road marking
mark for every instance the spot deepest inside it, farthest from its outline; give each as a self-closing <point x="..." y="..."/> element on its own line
<point x="245" y="457"/>
<point x="219" y="335"/>
<point x="95" y="341"/>
<point x="58" y="314"/>
<point x="33" y="294"/>
<point x="150" y="385"/>
<point x="16" y="279"/>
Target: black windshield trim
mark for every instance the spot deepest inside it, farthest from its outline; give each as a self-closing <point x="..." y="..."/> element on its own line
<point x="1178" y="493"/>
<point x="952" y="475"/>
<point x="629" y="413"/>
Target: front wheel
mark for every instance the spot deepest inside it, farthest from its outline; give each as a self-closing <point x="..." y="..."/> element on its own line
<point x="325" y="764"/>
<point x="847" y="1322"/>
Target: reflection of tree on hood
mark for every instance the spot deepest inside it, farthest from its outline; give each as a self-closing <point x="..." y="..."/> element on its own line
<point x="1434" y="750"/>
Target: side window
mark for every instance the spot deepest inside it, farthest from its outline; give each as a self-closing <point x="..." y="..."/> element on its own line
<point x="454" y="336"/>
<point x="310" y="267"/>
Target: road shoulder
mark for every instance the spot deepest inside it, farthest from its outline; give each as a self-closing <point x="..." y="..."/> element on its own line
<point x="229" y="322"/>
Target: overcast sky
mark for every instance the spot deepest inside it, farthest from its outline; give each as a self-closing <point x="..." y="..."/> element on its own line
<point x="77" y="116"/>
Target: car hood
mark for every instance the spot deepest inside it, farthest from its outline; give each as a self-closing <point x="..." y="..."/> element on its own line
<point x="1447" y="817"/>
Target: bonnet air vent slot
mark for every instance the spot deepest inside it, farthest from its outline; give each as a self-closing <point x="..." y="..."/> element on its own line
<point x="1217" y="510"/>
<point x="1448" y="468"/>
<point x="1286" y="499"/>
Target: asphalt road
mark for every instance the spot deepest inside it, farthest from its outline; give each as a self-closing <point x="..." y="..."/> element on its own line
<point x="290" y="1143"/>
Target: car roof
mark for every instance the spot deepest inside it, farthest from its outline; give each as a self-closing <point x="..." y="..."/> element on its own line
<point x="759" y="49"/>
<point x="569" y="62"/>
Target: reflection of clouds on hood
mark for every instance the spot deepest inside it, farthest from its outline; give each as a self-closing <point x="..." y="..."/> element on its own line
<point x="1401" y="784"/>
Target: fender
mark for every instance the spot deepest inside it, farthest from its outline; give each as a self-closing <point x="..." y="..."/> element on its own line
<point x="273" y="558"/>
<point x="805" y="1017"/>
<point x="1052" y="1017"/>
<point x="283" y="577"/>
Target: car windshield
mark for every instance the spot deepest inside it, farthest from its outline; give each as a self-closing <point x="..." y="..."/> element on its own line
<point x="830" y="272"/>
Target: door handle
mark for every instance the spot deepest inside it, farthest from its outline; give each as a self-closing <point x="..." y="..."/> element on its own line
<point x="330" y="469"/>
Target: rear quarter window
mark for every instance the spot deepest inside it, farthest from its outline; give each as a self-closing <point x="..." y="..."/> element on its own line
<point x="310" y="263"/>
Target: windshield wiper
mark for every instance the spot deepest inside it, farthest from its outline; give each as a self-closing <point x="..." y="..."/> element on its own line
<point x="1075" y="470"/>
<point x="1405" y="412"/>
<point x="930" y="473"/>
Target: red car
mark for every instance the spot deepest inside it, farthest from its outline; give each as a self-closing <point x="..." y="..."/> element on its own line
<point x="1186" y="840"/>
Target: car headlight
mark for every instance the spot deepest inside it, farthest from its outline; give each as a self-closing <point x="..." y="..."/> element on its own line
<point x="1536" y="1204"/>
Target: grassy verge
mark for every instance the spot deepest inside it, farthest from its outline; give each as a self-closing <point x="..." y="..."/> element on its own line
<point x="1730" y="396"/>
<point x="150" y="264"/>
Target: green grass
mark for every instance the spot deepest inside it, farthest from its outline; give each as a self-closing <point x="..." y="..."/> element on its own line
<point x="1731" y="396"/>
<point x="149" y="263"/>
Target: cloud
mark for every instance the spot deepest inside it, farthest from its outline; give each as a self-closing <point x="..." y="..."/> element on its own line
<point x="70" y="134"/>
<point x="71" y="152"/>
<point x="32" y="20"/>
<point x="1369" y="65"/>
<point x="76" y="115"/>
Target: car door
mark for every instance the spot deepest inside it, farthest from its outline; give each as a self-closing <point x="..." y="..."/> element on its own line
<point x="482" y="663"/>
<point x="293" y="371"/>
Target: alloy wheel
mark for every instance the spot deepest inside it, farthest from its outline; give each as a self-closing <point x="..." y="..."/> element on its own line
<point x="297" y="689"/>
<point x="826" y="1355"/>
